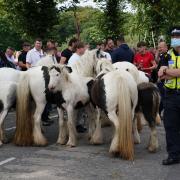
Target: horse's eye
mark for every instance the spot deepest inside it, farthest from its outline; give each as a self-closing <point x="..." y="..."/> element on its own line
<point x="57" y="74"/>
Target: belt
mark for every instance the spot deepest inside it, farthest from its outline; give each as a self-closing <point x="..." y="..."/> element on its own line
<point x="172" y="91"/>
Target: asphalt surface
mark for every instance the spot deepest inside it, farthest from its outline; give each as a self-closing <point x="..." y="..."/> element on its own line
<point x="55" y="162"/>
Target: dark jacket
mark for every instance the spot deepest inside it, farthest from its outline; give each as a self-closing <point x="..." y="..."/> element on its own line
<point x="123" y="53"/>
<point x="4" y="61"/>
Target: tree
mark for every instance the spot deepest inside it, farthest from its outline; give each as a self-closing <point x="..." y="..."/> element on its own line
<point x="33" y="18"/>
<point x="154" y="18"/>
<point x="113" y="21"/>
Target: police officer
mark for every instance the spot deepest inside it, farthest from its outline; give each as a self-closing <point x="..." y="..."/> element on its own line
<point x="170" y="72"/>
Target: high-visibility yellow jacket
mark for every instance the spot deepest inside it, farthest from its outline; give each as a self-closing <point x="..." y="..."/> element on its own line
<point x="175" y="64"/>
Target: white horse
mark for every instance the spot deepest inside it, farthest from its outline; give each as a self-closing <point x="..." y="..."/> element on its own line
<point x="74" y="92"/>
<point x="48" y="60"/>
<point x="34" y="82"/>
<point x="7" y="100"/>
<point x="148" y="103"/>
<point x="116" y="93"/>
<point x="139" y="76"/>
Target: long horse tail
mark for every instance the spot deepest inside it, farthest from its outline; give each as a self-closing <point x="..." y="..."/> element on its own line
<point x="149" y="100"/>
<point x="126" y="145"/>
<point x="24" y="116"/>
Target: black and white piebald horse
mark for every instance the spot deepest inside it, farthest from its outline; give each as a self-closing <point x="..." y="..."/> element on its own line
<point x="115" y="92"/>
<point x="74" y="93"/>
<point x="148" y="100"/>
<point x="35" y="85"/>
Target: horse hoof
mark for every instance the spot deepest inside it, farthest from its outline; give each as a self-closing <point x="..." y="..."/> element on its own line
<point x="1" y="144"/>
<point x="69" y="144"/>
<point x="42" y="143"/>
<point x="137" y="142"/>
<point x="114" y="154"/>
<point x="61" y="142"/>
<point x="152" y="149"/>
<point x="93" y="142"/>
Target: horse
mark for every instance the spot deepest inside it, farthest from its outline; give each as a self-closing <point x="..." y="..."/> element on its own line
<point x="115" y="92"/>
<point x="7" y="100"/>
<point x="148" y="106"/>
<point x="74" y="94"/>
<point x="148" y="101"/>
<point x="35" y="80"/>
<point x="86" y="66"/>
<point x="139" y="76"/>
<point x="48" y="60"/>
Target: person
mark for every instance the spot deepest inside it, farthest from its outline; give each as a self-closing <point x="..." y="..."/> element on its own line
<point x="35" y="54"/>
<point x="50" y="57"/>
<point x="123" y="52"/>
<point x="109" y="46"/>
<point x="10" y="55"/>
<point x="4" y="61"/>
<point x="162" y="55"/>
<point x="170" y="72"/>
<point x="79" y="49"/>
<point x="67" y="53"/>
<point x="50" y="44"/>
<point x="22" y="57"/>
<point x="143" y="59"/>
<point x="101" y="46"/>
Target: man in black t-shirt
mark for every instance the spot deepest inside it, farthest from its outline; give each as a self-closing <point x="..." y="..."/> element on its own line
<point x="67" y="53"/>
<point x="22" y="57"/>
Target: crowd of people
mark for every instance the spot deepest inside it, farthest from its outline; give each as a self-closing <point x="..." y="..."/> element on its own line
<point x="159" y="63"/>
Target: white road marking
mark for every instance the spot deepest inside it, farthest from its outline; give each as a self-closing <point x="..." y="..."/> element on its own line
<point x="7" y="160"/>
<point x="8" y="129"/>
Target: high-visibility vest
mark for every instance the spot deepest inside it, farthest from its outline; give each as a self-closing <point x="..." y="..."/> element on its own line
<point x="174" y="63"/>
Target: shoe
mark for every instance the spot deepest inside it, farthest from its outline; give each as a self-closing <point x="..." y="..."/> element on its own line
<point x="170" y="161"/>
<point x="81" y="129"/>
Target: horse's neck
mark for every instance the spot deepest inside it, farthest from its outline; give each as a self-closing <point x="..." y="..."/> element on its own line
<point x="84" y="68"/>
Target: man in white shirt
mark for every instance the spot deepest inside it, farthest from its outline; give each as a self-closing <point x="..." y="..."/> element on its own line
<point x="35" y="54"/>
<point x="79" y="51"/>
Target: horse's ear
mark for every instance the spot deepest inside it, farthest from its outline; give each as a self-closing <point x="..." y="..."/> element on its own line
<point x="98" y="53"/>
<point x="69" y="69"/>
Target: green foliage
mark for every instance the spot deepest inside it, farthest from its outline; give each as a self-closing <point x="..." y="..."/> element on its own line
<point x="113" y="20"/>
<point x="8" y="35"/>
<point x="156" y="16"/>
<point x="89" y="25"/>
<point x="33" y="18"/>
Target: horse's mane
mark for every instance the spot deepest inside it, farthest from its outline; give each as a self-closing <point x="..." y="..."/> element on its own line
<point x="104" y="65"/>
<point x="47" y="61"/>
<point x="87" y="63"/>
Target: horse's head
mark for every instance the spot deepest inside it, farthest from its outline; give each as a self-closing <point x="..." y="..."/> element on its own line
<point x="58" y="75"/>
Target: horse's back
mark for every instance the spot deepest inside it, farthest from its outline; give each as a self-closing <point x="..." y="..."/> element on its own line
<point x="127" y="66"/>
<point x="8" y="93"/>
<point x="9" y="74"/>
<point x="46" y="61"/>
<point x="37" y="77"/>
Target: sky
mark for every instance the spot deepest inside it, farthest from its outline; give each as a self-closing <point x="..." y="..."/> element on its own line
<point x="95" y="5"/>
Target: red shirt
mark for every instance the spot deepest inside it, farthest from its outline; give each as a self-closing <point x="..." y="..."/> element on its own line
<point x="144" y="61"/>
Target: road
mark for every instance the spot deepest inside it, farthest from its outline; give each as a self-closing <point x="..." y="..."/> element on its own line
<point x="84" y="162"/>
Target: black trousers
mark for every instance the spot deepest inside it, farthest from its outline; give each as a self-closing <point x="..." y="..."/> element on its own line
<point x="160" y="86"/>
<point x="172" y="122"/>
